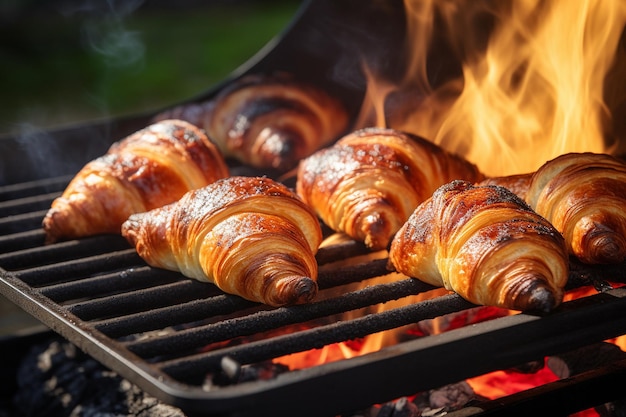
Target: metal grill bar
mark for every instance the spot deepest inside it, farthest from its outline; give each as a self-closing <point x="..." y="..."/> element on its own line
<point x="152" y="326"/>
<point x="158" y="318"/>
<point x="79" y="267"/>
<point x="26" y="204"/>
<point x="424" y="363"/>
<point x="262" y="350"/>
<point x="20" y="240"/>
<point x="32" y="188"/>
<point x="197" y="337"/>
<point x="126" y="280"/>
<point x="20" y="222"/>
<point x="144" y="300"/>
<point x="565" y="397"/>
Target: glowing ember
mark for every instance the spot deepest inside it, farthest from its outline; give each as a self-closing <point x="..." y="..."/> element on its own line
<point x="499" y="384"/>
<point x="502" y="383"/>
<point x="329" y="353"/>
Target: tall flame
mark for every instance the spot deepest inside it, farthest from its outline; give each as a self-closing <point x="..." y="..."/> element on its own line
<point x="531" y="86"/>
<point x="532" y="83"/>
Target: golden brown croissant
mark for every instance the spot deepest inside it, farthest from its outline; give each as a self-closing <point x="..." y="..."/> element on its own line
<point x="150" y="168"/>
<point x="268" y="121"/>
<point x="370" y="181"/>
<point x="250" y="236"/>
<point x="485" y="244"/>
<point x="518" y="184"/>
<point x="584" y="196"/>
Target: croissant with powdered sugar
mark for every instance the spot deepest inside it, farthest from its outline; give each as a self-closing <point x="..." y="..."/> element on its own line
<point x="249" y="236"/>
<point x="485" y="244"/>
<point x="369" y="182"/>
<point x="150" y="168"/>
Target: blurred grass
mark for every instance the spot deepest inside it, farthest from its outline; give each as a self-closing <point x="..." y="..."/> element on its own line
<point x="65" y="66"/>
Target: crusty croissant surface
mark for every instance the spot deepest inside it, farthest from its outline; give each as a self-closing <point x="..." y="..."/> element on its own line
<point x="485" y="244"/>
<point x="150" y="168"/>
<point x="249" y="236"/>
<point x="268" y="120"/>
<point x="518" y="184"/>
<point x="584" y="196"/>
<point x="368" y="183"/>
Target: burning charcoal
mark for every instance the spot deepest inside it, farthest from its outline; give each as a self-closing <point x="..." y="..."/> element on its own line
<point x="529" y="367"/>
<point x="55" y="379"/>
<point x="436" y="412"/>
<point x="452" y="397"/>
<point x="263" y="371"/>
<point x="399" y="408"/>
<point x="612" y="409"/>
<point x="441" y="401"/>
<point x="589" y="358"/>
<point x="422" y="400"/>
<point x="580" y="360"/>
<point x="433" y="403"/>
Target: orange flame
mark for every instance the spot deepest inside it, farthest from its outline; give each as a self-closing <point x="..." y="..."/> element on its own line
<point x="531" y="87"/>
<point x="532" y="84"/>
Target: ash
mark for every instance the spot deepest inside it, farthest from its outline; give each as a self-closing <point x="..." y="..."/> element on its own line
<point x="57" y="379"/>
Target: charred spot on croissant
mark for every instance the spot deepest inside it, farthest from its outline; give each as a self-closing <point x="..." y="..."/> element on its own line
<point x="533" y="295"/>
<point x="454" y="186"/>
<point x="542" y="228"/>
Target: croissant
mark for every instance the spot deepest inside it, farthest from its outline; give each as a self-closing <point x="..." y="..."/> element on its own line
<point x="518" y="184"/>
<point x="485" y="244"/>
<point x="150" y="168"/>
<point x="584" y="196"/>
<point x="369" y="182"/>
<point x="249" y="236"/>
<point x="268" y="121"/>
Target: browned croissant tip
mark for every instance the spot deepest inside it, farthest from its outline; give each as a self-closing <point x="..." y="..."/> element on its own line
<point x="610" y="253"/>
<point x="296" y="290"/>
<point x="130" y="229"/>
<point x="48" y="225"/>
<point x="536" y="297"/>
<point x="377" y="231"/>
<point x="602" y="245"/>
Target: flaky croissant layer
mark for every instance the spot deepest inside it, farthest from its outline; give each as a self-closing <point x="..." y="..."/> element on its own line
<point x="485" y="244"/>
<point x="584" y="196"/>
<point x="150" y="168"/>
<point x="268" y="120"/>
<point x="370" y="181"/>
<point x="249" y="236"/>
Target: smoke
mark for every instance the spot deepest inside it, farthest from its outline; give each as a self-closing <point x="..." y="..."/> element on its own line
<point x="115" y="49"/>
<point x="105" y="33"/>
<point x="42" y="153"/>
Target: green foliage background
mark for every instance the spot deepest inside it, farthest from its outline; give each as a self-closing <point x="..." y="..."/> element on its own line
<point x="61" y="66"/>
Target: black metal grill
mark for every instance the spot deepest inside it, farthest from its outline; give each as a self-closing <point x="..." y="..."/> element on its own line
<point x="168" y="334"/>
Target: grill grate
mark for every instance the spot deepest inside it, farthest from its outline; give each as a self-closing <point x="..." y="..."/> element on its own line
<point x="167" y="333"/>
